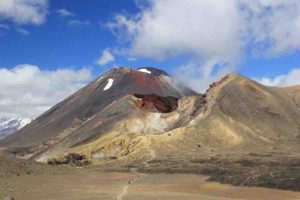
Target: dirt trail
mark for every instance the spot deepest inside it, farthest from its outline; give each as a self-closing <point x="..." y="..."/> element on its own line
<point x="125" y="189"/>
<point x="139" y="175"/>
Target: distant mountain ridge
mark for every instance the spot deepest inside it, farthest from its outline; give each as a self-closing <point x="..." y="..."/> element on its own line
<point x="11" y="125"/>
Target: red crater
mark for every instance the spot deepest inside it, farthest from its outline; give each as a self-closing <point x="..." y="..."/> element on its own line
<point x="154" y="103"/>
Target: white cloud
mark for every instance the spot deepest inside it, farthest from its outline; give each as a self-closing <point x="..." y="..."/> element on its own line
<point x="24" y="11"/>
<point x="273" y="25"/>
<point x="195" y="75"/>
<point x="214" y="34"/>
<point x="28" y="91"/>
<point x="218" y="29"/>
<point x="23" y="31"/>
<point x="206" y="29"/>
<point x="77" y="23"/>
<point x="292" y="78"/>
<point x="64" y="12"/>
<point x="105" y="58"/>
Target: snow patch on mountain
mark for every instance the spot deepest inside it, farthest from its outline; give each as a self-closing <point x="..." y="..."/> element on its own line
<point x="10" y="125"/>
<point x="145" y="71"/>
<point x="109" y="84"/>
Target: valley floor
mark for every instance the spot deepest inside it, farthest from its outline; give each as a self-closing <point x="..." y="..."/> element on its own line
<point x="89" y="184"/>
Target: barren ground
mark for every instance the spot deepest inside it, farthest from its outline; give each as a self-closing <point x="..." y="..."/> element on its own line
<point x="92" y="184"/>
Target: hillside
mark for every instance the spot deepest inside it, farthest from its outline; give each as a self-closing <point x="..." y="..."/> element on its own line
<point x="142" y="119"/>
<point x="88" y="109"/>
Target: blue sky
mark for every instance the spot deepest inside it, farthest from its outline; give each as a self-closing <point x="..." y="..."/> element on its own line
<point x="56" y="44"/>
<point x="196" y="41"/>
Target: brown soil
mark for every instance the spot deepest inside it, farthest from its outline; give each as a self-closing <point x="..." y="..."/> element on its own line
<point x="32" y="181"/>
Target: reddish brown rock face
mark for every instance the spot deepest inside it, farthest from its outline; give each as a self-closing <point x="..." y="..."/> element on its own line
<point x="156" y="103"/>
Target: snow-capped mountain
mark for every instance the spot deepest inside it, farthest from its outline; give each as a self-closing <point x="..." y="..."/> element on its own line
<point x="10" y="125"/>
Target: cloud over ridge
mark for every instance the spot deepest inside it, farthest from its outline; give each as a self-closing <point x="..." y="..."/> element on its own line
<point x="283" y="80"/>
<point x="27" y="91"/>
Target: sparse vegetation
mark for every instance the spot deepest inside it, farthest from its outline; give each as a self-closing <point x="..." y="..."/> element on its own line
<point x="241" y="172"/>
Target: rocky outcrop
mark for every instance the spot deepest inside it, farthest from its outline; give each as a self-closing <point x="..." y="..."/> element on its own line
<point x="72" y="158"/>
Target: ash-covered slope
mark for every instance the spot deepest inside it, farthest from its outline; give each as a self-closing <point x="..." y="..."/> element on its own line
<point x="74" y="112"/>
<point x="244" y="134"/>
<point x="241" y="117"/>
<point x="235" y="118"/>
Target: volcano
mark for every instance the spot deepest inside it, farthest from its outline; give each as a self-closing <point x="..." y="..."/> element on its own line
<point x="95" y="108"/>
<point x="239" y="131"/>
